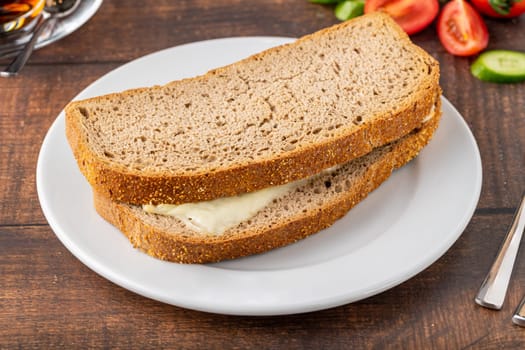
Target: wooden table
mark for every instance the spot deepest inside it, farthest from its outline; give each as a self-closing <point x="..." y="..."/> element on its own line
<point x="49" y="299"/>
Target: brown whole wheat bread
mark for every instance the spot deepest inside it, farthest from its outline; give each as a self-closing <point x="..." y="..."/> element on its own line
<point x="314" y="205"/>
<point x="277" y="116"/>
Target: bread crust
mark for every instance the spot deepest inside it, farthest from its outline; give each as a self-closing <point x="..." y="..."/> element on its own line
<point x="140" y="187"/>
<point x="184" y="247"/>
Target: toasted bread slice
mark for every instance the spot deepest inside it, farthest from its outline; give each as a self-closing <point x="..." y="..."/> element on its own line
<point x="281" y="115"/>
<point x="310" y="208"/>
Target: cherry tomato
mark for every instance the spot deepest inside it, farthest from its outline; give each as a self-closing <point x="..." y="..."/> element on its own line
<point x="461" y="29"/>
<point x="500" y="8"/>
<point x="412" y="15"/>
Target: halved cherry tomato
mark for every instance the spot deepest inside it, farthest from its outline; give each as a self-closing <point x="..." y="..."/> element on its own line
<point x="500" y="8"/>
<point x="412" y="15"/>
<point x="461" y="29"/>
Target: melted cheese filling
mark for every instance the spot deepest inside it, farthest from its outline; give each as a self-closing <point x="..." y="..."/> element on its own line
<point x="430" y="114"/>
<point x="218" y="215"/>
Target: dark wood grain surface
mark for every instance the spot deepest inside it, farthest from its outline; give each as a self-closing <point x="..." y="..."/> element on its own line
<point x="48" y="299"/>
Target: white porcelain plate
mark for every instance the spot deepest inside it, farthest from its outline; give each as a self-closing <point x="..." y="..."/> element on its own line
<point x="399" y="230"/>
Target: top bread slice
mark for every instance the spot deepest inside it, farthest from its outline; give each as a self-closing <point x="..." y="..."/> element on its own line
<point x="277" y="116"/>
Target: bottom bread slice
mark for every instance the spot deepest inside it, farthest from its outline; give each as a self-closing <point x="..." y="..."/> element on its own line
<point x="316" y="204"/>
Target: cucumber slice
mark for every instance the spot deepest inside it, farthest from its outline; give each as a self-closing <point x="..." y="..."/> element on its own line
<point x="349" y="9"/>
<point x="500" y="66"/>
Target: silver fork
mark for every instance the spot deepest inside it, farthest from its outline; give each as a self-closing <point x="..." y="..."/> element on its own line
<point x="494" y="288"/>
<point x="519" y="315"/>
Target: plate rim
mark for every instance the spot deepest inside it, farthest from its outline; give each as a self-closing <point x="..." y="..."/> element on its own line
<point x="300" y="307"/>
